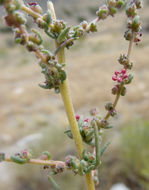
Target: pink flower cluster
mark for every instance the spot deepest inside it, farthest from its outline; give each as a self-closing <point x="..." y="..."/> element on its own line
<point x="137" y="39"/>
<point x="32" y="4"/>
<point x="120" y="76"/>
<point x="78" y="117"/>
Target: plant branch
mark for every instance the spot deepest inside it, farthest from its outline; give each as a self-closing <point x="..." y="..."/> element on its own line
<point x="119" y="93"/>
<point x="30" y="12"/>
<point x="38" y="162"/>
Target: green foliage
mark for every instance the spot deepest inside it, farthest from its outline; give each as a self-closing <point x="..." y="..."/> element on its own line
<point x="135" y="149"/>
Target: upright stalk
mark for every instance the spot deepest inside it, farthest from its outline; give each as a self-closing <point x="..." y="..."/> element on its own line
<point x="65" y="93"/>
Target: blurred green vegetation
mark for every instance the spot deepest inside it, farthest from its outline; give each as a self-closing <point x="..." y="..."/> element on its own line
<point x="135" y="151"/>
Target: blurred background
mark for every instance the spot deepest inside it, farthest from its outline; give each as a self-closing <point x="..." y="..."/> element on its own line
<point x="31" y="117"/>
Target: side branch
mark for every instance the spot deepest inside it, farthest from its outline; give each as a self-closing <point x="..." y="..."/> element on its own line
<point x="38" y="162"/>
<point x="119" y="93"/>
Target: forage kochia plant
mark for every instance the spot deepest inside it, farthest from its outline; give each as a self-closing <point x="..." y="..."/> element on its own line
<point x="81" y="129"/>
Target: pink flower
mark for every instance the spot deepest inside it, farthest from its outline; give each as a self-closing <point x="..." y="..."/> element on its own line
<point x="119" y="80"/>
<point x="77" y="117"/>
<point x="114" y="77"/>
<point x="123" y="71"/>
<point x="120" y="75"/>
<point x="86" y="120"/>
<point x="125" y="76"/>
<point x="117" y="72"/>
<point x="32" y="4"/>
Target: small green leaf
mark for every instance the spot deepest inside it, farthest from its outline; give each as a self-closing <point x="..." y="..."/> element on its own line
<point x="44" y="86"/>
<point x="108" y="127"/>
<point x="18" y="160"/>
<point x="74" y="165"/>
<point x="130" y="77"/>
<point x="18" y="40"/>
<point x="104" y="148"/>
<point x="68" y="133"/>
<point x="49" y="17"/>
<point x="63" y="75"/>
<point x="92" y="167"/>
<point x="63" y="34"/>
<point x="54" y="184"/>
<point x="50" y="34"/>
<point x="39" y="36"/>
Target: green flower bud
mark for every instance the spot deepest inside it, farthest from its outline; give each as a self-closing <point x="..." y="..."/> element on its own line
<point x="112" y="11"/>
<point x="41" y="23"/>
<point x="120" y="3"/>
<point x="21" y="39"/>
<point x="20" y="18"/>
<point x="136" y="24"/>
<point x="84" y="24"/>
<point x="128" y="35"/>
<point x="31" y="46"/>
<point x="78" y="32"/>
<point x="12" y="6"/>
<point x="103" y="12"/>
<point x="111" y="3"/>
<point x="124" y="60"/>
<point x="108" y="106"/>
<point x="58" y="26"/>
<point x="139" y="4"/>
<point x="93" y="27"/>
<point x="131" y="10"/>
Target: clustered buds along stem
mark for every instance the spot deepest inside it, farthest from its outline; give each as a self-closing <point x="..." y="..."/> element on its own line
<point x="134" y="25"/>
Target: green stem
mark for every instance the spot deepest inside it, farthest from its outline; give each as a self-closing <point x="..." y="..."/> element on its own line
<point x="54" y="184"/>
<point x="65" y="93"/>
<point x="38" y="162"/>
<point x="97" y="144"/>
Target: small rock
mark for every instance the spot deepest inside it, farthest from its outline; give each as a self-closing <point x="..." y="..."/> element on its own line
<point x="18" y="91"/>
<point x="22" y="143"/>
<point x="119" y="186"/>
